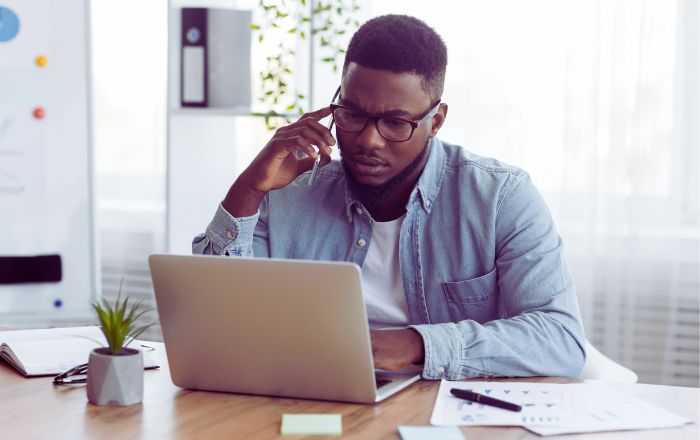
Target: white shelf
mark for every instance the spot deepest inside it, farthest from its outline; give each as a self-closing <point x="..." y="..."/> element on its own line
<point x="224" y="111"/>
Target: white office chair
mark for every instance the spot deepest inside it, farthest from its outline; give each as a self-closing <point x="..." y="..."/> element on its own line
<point x="600" y="367"/>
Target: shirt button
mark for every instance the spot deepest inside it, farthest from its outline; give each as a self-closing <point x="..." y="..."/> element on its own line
<point x="440" y="370"/>
<point x="359" y="210"/>
<point x="361" y="242"/>
<point x="229" y="234"/>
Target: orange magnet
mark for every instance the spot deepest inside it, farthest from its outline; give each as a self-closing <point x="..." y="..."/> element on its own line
<point x="41" y="61"/>
<point x="39" y="113"/>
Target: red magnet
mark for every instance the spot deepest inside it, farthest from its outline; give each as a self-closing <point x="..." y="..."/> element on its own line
<point x="39" y="113"/>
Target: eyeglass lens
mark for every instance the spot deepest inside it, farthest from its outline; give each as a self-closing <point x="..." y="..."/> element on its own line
<point x="353" y="121"/>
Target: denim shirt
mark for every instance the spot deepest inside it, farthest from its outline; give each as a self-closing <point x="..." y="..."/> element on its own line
<point x="486" y="282"/>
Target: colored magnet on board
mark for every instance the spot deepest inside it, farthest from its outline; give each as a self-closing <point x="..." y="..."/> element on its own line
<point x="58" y="303"/>
<point x="39" y="113"/>
<point x="41" y="60"/>
<point x="9" y="24"/>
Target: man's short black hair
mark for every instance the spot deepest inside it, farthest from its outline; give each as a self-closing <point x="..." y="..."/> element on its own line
<point x="401" y="44"/>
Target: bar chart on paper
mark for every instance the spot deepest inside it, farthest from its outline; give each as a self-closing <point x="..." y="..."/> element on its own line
<point x="551" y="409"/>
<point x="541" y="404"/>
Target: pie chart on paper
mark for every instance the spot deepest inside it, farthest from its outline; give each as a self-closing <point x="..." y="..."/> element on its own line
<point x="9" y="24"/>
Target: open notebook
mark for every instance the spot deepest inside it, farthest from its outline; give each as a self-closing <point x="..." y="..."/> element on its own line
<point x="51" y="351"/>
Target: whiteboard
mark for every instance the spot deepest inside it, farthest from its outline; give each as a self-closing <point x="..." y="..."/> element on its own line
<point x="45" y="156"/>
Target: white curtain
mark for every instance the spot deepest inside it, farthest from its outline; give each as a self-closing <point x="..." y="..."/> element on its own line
<point x="598" y="100"/>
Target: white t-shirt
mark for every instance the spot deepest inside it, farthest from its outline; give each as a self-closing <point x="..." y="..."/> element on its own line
<point x="381" y="277"/>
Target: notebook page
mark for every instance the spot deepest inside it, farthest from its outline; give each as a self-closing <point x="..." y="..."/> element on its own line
<point x="45" y="334"/>
<point x="53" y="351"/>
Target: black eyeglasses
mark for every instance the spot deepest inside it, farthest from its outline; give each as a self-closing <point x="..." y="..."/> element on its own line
<point x="80" y="370"/>
<point x="390" y="128"/>
<point x="79" y="373"/>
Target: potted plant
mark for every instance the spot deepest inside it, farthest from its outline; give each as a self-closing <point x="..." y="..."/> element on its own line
<point x="115" y="372"/>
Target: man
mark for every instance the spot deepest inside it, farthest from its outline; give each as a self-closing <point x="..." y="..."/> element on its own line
<point x="457" y="251"/>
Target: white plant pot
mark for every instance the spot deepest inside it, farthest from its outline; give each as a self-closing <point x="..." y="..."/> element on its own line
<point x="115" y="380"/>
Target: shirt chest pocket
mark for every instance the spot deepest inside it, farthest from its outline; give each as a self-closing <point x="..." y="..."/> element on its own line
<point x="475" y="299"/>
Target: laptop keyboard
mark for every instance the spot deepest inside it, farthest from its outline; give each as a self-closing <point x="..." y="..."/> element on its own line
<point x="381" y="382"/>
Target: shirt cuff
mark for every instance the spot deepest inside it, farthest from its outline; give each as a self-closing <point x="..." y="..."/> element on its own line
<point x="443" y="345"/>
<point x="229" y="233"/>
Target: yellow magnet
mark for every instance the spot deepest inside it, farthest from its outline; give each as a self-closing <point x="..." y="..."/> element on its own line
<point x="41" y="61"/>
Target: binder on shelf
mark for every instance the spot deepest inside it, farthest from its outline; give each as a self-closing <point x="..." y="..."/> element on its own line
<point x="215" y="58"/>
<point x="194" y="57"/>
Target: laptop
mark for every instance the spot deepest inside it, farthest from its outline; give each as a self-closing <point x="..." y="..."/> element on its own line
<point x="289" y="328"/>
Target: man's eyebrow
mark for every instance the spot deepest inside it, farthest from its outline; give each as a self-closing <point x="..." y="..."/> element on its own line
<point x="395" y="112"/>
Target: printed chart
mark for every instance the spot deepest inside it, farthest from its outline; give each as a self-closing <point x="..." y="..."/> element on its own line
<point x="551" y="409"/>
<point x="542" y="404"/>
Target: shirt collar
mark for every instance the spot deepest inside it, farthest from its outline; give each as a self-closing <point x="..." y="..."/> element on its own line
<point x="426" y="189"/>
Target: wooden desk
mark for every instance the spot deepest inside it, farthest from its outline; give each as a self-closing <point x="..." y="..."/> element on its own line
<point x="35" y="409"/>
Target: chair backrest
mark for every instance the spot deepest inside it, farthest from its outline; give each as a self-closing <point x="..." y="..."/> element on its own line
<point x="600" y="367"/>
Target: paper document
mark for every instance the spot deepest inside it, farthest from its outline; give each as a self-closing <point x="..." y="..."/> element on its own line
<point x="542" y="404"/>
<point x="549" y="409"/>
<point x="41" y="352"/>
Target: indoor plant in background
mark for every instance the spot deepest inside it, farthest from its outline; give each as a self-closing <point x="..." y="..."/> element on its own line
<point x="115" y="373"/>
<point x="327" y="22"/>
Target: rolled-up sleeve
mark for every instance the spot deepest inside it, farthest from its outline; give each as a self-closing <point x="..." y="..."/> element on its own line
<point x="227" y="235"/>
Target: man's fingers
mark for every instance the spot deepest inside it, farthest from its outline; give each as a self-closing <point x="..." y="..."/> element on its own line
<point x="317" y="114"/>
<point x="288" y="145"/>
<point x="325" y="160"/>
<point x="313" y="136"/>
<point x="305" y="164"/>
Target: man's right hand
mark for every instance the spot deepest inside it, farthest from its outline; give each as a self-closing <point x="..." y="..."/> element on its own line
<point x="277" y="165"/>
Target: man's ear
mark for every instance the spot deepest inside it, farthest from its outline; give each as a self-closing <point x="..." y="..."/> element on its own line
<point x="438" y="120"/>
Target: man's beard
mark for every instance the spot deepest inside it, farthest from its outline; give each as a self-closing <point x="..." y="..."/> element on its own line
<point x="375" y="196"/>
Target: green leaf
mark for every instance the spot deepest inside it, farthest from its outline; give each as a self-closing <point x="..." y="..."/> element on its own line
<point x="302" y="35"/>
<point x="290" y="107"/>
<point x="254" y="26"/>
<point x="301" y="96"/>
<point x="118" y="321"/>
<point x="292" y="30"/>
<point x="328" y="59"/>
<point x="260" y="38"/>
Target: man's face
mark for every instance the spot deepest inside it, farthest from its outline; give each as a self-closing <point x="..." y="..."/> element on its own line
<point x="373" y="160"/>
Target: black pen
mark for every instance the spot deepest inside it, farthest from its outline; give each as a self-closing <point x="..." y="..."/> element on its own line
<point x="486" y="400"/>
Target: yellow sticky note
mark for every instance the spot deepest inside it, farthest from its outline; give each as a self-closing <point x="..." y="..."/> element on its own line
<point x="312" y="424"/>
